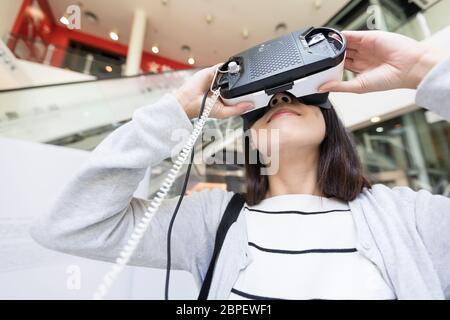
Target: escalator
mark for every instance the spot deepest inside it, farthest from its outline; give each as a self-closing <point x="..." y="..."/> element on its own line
<point x="81" y="114"/>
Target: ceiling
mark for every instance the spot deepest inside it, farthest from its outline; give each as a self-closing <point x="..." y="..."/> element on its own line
<point x="174" y="23"/>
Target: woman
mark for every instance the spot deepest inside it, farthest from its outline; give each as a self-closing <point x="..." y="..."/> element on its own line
<point x="313" y="230"/>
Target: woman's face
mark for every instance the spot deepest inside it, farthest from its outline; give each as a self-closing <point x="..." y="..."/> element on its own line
<point x="298" y="125"/>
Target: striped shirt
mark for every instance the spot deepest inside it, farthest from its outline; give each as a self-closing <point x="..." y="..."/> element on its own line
<point x="303" y="247"/>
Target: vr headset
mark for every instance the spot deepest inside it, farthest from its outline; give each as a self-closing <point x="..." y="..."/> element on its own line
<point x="298" y="63"/>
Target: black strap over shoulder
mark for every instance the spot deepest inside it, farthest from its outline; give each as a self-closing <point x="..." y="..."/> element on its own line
<point x="229" y="217"/>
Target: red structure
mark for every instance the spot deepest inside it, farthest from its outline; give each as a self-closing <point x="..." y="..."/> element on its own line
<point x="36" y="28"/>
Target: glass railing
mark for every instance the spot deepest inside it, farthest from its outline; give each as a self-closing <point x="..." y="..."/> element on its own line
<point x="81" y="114"/>
<point x="52" y="112"/>
<point x="410" y="150"/>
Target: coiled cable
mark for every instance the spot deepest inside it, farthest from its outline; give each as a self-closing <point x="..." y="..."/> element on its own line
<point x="140" y="229"/>
<point x="175" y="212"/>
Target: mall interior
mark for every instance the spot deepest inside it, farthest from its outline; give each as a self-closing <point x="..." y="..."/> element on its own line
<point x="71" y="72"/>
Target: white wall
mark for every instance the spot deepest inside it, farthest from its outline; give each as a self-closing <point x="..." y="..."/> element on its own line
<point x="8" y="13"/>
<point x="31" y="176"/>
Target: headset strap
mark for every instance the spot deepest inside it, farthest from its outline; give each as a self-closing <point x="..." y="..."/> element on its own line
<point x="229" y="217"/>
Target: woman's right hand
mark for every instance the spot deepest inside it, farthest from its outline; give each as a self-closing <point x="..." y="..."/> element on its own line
<point x="190" y="96"/>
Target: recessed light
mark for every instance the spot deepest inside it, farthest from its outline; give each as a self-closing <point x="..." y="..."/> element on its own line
<point x="91" y="16"/>
<point x="191" y="60"/>
<point x="155" y="49"/>
<point x="380" y="129"/>
<point x="245" y="33"/>
<point x="108" y="68"/>
<point x="281" y="27"/>
<point x="114" y="36"/>
<point x="64" y="20"/>
<point x="186" y="48"/>
<point x="318" y="4"/>
<point x="375" y="119"/>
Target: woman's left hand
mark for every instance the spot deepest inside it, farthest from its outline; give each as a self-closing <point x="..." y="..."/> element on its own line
<point x="385" y="61"/>
<point x="191" y="93"/>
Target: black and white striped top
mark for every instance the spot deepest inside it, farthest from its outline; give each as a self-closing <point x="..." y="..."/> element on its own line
<point x="303" y="247"/>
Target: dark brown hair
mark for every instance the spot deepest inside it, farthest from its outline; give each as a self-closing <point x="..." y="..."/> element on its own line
<point x="340" y="172"/>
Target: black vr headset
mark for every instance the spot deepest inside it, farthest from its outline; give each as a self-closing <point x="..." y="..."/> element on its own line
<point x="297" y="63"/>
<point x="318" y="99"/>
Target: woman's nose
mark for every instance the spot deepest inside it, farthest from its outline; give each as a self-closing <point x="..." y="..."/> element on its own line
<point x="280" y="97"/>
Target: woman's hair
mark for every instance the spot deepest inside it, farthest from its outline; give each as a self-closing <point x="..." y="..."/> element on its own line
<point x="340" y="172"/>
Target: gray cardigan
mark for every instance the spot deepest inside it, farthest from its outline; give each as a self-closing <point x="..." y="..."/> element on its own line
<point x="405" y="233"/>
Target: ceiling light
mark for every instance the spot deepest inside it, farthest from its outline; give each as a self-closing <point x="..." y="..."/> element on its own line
<point x="375" y="119"/>
<point x="155" y="49"/>
<point x="186" y="48"/>
<point x="64" y="20"/>
<point x="114" y="36"/>
<point x="245" y="33"/>
<point x="380" y="129"/>
<point x="91" y="16"/>
<point x="281" y="27"/>
<point x="108" y="68"/>
<point x="191" y="60"/>
<point x="318" y="4"/>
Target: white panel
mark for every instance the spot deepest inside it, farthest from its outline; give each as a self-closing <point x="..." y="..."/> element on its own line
<point x="32" y="175"/>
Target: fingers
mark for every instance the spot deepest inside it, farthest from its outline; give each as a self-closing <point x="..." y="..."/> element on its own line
<point x="205" y="76"/>
<point x="224" y="111"/>
<point x="217" y="65"/>
<point x="361" y="41"/>
<point x="355" y="66"/>
<point x="353" y="85"/>
<point x="351" y="53"/>
<point x="356" y="61"/>
<point x="354" y="38"/>
<point x="211" y="72"/>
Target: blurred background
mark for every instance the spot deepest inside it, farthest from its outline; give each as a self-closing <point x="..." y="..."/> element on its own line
<point x="71" y="72"/>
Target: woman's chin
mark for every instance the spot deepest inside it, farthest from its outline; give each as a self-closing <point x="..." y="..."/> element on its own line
<point x="295" y="136"/>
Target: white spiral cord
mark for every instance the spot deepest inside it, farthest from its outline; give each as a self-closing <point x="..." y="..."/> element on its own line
<point x="140" y="229"/>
